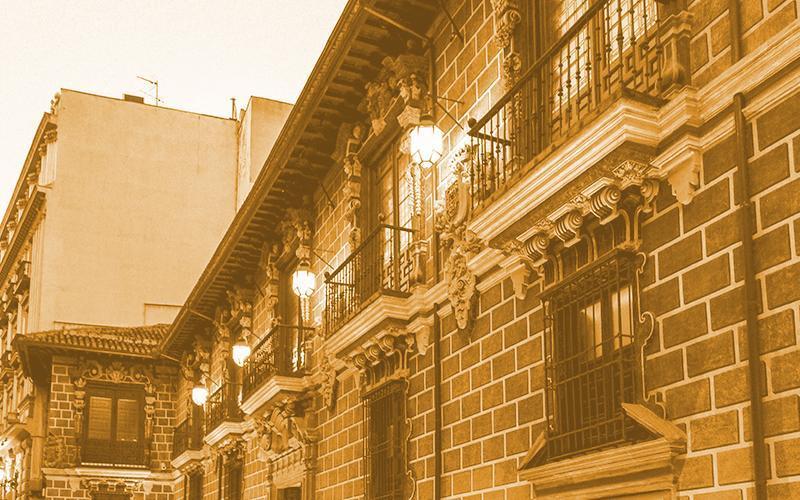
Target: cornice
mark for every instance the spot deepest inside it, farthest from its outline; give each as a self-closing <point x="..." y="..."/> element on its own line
<point x="275" y="386"/>
<point x="332" y="56"/>
<point x="29" y="215"/>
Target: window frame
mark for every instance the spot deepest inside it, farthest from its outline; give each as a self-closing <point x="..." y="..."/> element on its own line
<point x="115" y="392"/>
<point x="396" y="470"/>
<point x="233" y="488"/>
<point x="575" y="377"/>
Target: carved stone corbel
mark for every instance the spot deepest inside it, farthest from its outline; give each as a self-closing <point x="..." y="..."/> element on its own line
<point x="681" y="165"/>
<point x="518" y="266"/>
<point x="283" y="429"/>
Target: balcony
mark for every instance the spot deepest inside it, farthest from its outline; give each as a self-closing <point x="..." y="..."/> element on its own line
<point x="187" y="436"/>
<point x="613" y="50"/>
<point x="380" y="265"/>
<point x="281" y="353"/>
<point x="223" y="407"/>
<point x="102" y="452"/>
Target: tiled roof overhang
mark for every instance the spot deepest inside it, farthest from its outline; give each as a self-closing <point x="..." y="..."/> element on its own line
<point x="302" y="153"/>
<point x="128" y="341"/>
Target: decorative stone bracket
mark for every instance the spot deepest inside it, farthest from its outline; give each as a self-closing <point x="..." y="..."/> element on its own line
<point x="283" y="429"/>
<point x="404" y="76"/>
<point x="681" y="165"/>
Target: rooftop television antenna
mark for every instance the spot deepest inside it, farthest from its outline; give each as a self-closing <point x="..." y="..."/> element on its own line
<point x="154" y="83"/>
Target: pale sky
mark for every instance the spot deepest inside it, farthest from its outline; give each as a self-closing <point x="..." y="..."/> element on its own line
<point x="201" y="52"/>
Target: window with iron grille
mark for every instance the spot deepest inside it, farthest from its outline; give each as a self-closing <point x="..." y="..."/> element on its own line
<point x="233" y="479"/>
<point x="195" y="486"/>
<point x="385" y="449"/>
<point x="591" y="363"/>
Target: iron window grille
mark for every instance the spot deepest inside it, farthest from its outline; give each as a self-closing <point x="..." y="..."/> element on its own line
<point x="592" y="361"/>
<point x="195" y="486"/>
<point x="385" y="453"/>
<point x="234" y="478"/>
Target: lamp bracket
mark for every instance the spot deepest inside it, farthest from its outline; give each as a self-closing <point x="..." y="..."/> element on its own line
<point x="396" y="24"/>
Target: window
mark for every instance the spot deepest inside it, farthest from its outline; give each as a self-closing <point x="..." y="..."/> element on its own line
<point x="233" y="479"/>
<point x="385" y="423"/>
<point x="592" y="52"/>
<point x="293" y="493"/>
<point x="113" y="432"/>
<point x="195" y="486"/>
<point x="591" y="360"/>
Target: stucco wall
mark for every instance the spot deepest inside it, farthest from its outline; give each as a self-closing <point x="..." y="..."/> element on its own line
<point x="142" y="196"/>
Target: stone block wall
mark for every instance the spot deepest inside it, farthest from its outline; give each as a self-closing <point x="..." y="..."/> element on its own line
<point x="695" y="287"/>
<point x="711" y="35"/>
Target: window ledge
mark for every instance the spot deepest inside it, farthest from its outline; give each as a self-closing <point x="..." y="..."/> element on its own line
<point x="644" y="469"/>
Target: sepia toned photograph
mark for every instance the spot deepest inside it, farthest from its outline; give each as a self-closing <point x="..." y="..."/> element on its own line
<point x="400" y="250"/>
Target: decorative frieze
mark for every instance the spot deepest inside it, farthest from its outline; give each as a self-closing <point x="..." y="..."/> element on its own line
<point x="600" y="200"/>
<point x="385" y="357"/>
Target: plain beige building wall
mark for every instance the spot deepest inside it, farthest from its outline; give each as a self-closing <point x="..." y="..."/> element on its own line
<point x="141" y="197"/>
<point x="261" y="122"/>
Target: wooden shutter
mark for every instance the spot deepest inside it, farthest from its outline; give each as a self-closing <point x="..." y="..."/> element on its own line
<point x="99" y="422"/>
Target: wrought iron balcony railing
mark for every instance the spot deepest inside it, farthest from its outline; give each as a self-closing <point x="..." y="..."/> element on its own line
<point x="613" y="49"/>
<point x="381" y="264"/>
<point x="223" y="406"/>
<point x="282" y="351"/>
<point x="188" y="435"/>
<point x="113" y="453"/>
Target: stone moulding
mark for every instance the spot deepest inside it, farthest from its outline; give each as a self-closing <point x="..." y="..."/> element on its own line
<point x="600" y="199"/>
<point x="648" y="467"/>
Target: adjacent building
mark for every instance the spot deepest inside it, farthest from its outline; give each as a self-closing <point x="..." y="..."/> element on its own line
<point x="118" y="207"/>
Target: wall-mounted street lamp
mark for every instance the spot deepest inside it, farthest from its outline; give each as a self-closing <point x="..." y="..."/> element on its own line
<point x="426" y="142"/>
<point x="199" y="389"/>
<point x="304" y="281"/>
<point x="240" y="351"/>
